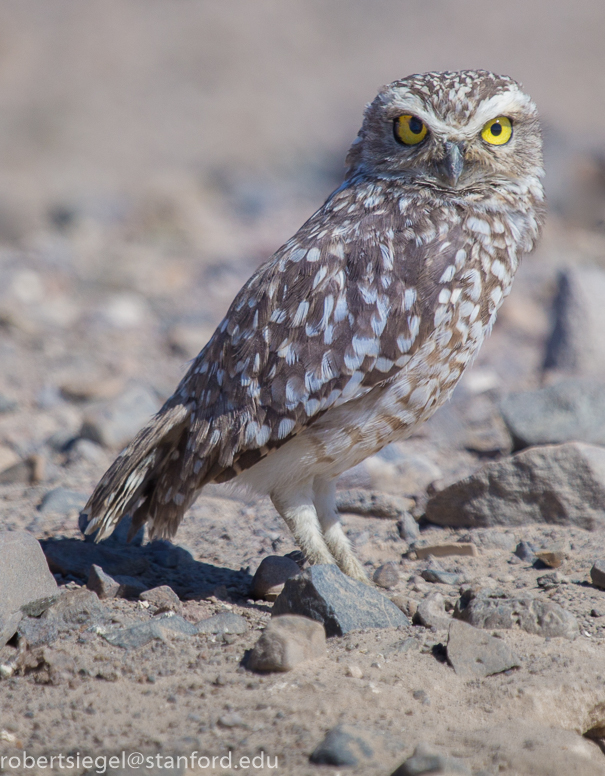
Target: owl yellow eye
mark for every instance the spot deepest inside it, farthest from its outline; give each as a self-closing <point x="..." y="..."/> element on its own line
<point x="410" y="130"/>
<point x="497" y="131"/>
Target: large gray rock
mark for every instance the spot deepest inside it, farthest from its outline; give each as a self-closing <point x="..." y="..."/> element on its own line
<point x="560" y="484"/>
<point x="472" y="652"/>
<point x="577" y="343"/>
<point x="286" y="642"/>
<point x="570" y="410"/>
<point x="493" y="609"/>
<point x="342" y="604"/>
<point x="26" y="585"/>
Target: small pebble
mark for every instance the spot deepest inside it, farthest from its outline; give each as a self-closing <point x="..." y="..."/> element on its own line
<point x="422" y="696"/>
<point x="231" y="720"/>
<point x="354" y="672"/>
<point x="525" y="551"/>
<point x="550" y="581"/>
<point x="552" y="557"/>
<point x="597" y="574"/>
<point x="407" y="605"/>
<point x="386" y="576"/>
<point x="271" y="575"/>
<point x="287" y="641"/>
<point x="163" y="598"/>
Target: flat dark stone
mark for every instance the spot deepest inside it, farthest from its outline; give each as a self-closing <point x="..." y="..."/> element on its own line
<point x="342" y="604"/>
<point x="176" y="623"/>
<point x="135" y="636"/>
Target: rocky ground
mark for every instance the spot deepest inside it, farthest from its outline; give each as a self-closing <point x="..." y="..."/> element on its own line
<point x="134" y="202"/>
<point x="491" y="658"/>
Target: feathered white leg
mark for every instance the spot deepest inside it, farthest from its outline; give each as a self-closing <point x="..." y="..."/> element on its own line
<point x="298" y="511"/>
<point x="324" y="498"/>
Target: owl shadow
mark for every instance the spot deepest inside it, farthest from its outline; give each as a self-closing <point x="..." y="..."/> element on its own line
<point x="141" y="566"/>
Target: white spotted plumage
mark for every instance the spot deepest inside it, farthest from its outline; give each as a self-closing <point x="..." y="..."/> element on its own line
<point x="358" y="328"/>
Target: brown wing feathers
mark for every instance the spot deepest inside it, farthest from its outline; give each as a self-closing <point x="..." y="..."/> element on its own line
<point x="315" y="326"/>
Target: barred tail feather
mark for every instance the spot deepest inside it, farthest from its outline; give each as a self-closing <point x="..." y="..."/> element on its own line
<point x="140" y="480"/>
<point x="159" y="475"/>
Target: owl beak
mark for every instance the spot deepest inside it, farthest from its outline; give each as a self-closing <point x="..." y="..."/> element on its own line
<point x="452" y="164"/>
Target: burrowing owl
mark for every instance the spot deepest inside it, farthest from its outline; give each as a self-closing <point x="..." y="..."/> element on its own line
<point x="360" y="326"/>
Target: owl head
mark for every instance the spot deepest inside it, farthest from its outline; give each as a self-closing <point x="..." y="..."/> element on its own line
<point x="461" y="132"/>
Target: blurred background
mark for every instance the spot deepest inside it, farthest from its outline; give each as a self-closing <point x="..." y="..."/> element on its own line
<point x="153" y="153"/>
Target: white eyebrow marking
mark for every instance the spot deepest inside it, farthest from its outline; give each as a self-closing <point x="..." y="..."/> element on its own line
<point x="509" y="101"/>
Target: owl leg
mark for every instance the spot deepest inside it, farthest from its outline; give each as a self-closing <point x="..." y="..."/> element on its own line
<point x="324" y="498"/>
<point x="298" y="512"/>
